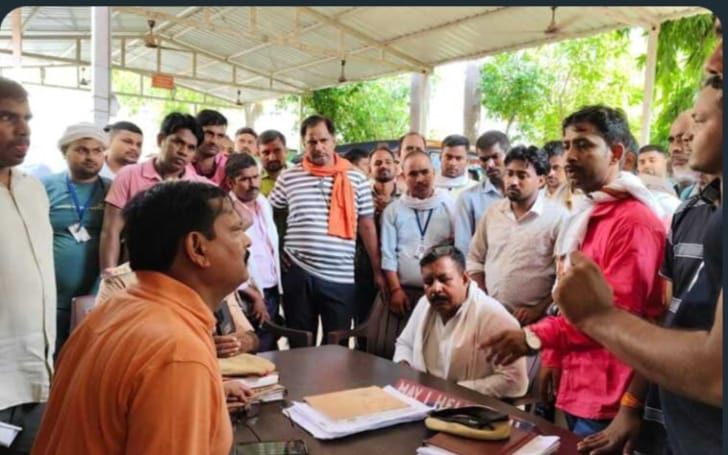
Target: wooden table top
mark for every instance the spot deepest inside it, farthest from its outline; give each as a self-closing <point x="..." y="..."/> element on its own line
<point x="329" y="368"/>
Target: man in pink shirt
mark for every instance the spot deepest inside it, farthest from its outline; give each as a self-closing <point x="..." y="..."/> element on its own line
<point x="617" y="226"/>
<point x="178" y="138"/>
<point x="209" y="161"/>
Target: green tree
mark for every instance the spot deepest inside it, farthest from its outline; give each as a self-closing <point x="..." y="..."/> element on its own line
<point x="514" y="88"/>
<point x="362" y="111"/>
<point x="534" y="89"/>
<point x="679" y="69"/>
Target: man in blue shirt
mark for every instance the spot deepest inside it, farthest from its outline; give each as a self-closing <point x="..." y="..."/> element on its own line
<point x="472" y="203"/>
<point x="76" y="198"/>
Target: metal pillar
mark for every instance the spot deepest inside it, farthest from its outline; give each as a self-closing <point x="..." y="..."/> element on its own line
<point x="471" y="104"/>
<point x="419" y="101"/>
<point x="101" y="63"/>
<point x="650" y="68"/>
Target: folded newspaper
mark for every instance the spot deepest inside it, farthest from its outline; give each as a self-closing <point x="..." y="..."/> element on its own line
<point x="322" y="427"/>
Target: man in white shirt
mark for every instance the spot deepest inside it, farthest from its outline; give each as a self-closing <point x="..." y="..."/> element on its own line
<point x="652" y="168"/>
<point x="243" y="177"/>
<point x="453" y="175"/>
<point x="438" y="338"/>
<point x="511" y="254"/>
<point x="27" y="277"/>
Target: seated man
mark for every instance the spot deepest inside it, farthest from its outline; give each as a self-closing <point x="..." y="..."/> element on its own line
<point x="242" y="340"/>
<point x="141" y="368"/>
<point x="454" y="311"/>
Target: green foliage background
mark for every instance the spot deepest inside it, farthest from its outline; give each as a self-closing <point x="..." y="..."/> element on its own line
<point x="534" y="89"/>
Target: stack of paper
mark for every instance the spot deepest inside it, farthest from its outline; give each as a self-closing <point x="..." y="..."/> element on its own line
<point x="265" y="388"/>
<point x="322" y="426"/>
<point x="256" y="382"/>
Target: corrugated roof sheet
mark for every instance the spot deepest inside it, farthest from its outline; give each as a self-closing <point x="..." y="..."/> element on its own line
<point x="280" y="50"/>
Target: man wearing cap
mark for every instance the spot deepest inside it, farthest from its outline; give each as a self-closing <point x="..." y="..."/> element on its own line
<point x="178" y="138"/>
<point x="76" y="198"/>
<point x="125" y="147"/>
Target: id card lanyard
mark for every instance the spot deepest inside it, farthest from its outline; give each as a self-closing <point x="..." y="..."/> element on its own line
<point x="80" y="209"/>
<point x="423" y="230"/>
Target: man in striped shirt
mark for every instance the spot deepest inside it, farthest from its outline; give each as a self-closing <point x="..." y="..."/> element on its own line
<point x="328" y="203"/>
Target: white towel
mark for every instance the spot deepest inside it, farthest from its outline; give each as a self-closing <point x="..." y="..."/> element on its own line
<point x="574" y="230"/>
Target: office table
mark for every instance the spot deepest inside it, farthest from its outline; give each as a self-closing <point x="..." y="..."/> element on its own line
<point x="329" y="368"/>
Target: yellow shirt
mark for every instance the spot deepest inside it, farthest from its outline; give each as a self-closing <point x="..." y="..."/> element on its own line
<point x="139" y="376"/>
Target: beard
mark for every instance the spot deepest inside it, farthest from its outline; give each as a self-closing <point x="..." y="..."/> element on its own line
<point x="273" y="166"/>
<point x="683" y="174"/>
<point x="384" y="177"/>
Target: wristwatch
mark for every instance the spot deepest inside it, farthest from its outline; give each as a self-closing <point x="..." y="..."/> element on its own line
<point x="532" y="341"/>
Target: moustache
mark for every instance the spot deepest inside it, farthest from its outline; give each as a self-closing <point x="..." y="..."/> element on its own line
<point x="439" y="298"/>
<point x="21" y="141"/>
<point x="247" y="256"/>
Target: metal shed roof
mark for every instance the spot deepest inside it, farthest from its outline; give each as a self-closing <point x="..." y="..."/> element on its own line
<point x="247" y="54"/>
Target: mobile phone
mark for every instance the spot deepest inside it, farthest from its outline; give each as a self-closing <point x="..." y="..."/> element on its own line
<point x="224" y="324"/>
<point x="293" y="447"/>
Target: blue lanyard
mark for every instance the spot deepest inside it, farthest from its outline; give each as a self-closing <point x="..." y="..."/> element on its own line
<point x="81" y="209"/>
<point x="423" y="231"/>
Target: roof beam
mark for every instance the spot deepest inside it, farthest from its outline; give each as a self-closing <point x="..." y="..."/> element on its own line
<point x="146" y="72"/>
<point x="294" y="35"/>
<point x="193" y="23"/>
<point x="351" y="54"/>
<point x="364" y="37"/>
<point x="445" y="25"/>
<point x="159" y="28"/>
<point x="619" y="16"/>
<point x="224" y="60"/>
<point x="30" y="17"/>
<point x="208" y="18"/>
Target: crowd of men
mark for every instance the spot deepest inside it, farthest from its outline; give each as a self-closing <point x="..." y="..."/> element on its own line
<point x="561" y="259"/>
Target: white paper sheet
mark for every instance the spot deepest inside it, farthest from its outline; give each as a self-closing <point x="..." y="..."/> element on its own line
<point x="321" y="427"/>
<point x="8" y="433"/>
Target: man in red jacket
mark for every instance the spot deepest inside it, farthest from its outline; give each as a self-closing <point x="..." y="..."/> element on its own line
<point x="618" y="226"/>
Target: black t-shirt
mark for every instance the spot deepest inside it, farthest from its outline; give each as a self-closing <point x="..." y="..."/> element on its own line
<point x="694" y="427"/>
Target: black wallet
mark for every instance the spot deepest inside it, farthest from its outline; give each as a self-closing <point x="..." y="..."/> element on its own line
<point x="477" y="417"/>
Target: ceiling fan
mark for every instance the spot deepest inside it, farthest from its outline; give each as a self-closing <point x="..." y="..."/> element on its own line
<point x="153" y="41"/>
<point x="554" y="28"/>
<point x="342" y="75"/>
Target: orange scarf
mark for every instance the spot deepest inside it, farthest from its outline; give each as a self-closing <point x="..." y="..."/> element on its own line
<point x="342" y="215"/>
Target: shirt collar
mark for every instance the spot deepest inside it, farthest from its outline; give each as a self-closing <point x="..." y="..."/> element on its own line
<point x="536" y="209"/>
<point x="238" y="203"/>
<point x="177" y="295"/>
<point x="150" y="172"/>
<point x="487" y="187"/>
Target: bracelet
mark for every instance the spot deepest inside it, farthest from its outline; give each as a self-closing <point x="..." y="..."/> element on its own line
<point x="630" y="401"/>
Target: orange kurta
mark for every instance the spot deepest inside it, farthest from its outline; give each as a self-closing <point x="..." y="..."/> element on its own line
<point x="139" y="376"/>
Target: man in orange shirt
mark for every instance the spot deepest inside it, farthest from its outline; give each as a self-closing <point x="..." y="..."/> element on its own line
<point x="139" y="375"/>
